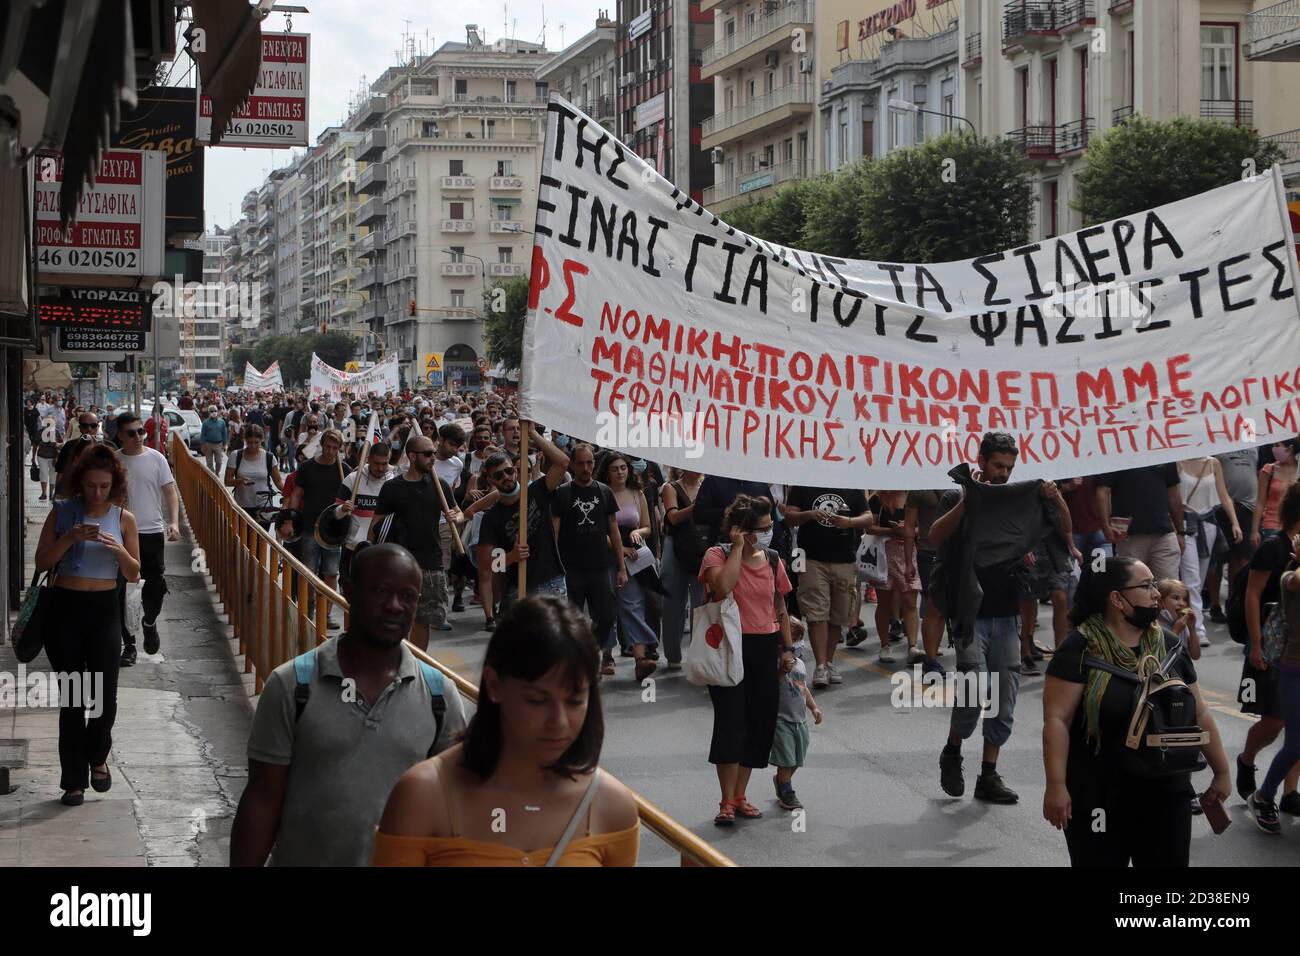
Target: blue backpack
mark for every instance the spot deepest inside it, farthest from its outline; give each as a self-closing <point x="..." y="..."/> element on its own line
<point x="304" y="666"/>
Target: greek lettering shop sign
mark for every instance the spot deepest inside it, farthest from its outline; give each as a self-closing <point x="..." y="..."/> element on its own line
<point x="164" y="120"/>
<point x="1166" y="334"/>
<point x="117" y="227"/>
<point x="275" y="115"/>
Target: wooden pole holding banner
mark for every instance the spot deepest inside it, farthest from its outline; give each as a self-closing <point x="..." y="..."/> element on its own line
<point x="455" y="534"/>
<point x="522" y="476"/>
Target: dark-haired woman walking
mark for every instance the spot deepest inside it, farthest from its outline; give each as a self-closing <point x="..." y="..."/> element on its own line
<point x="1110" y="815"/>
<point x="524" y="788"/>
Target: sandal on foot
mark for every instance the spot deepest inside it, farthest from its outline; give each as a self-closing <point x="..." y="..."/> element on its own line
<point x="746" y="809"/>
<point x="726" y="814"/>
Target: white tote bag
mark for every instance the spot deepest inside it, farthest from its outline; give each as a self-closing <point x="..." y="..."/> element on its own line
<point x="873" y="564"/>
<point x="713" y="657"/>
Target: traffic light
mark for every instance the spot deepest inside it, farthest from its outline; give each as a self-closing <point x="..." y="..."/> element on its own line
<point x="411" y="307"/>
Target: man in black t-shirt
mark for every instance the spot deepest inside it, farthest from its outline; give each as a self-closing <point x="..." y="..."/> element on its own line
<point x="828" y="542"/>
<point x="995" y="650"/>
<point x="586" y="529"/>
<point x="314" y="491"/>
<point x="499" y="549"/>
<point x="1150" y="498"/>
<point x="413" y="502"/>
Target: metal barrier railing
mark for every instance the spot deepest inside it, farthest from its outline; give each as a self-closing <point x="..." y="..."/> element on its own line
<point x="278" y="609"/>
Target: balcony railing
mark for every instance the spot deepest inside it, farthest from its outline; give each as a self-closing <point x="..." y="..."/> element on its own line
<point x="600" y="108"/>
<point x="502" y="269"/>
<point x="503" y="183"/>
<point x="1122" y="114"/>
<point x="741" y="185"/>
<point x="1236" y="112"/>
<point x="1290" y="143"/>
<point x="1036" y="142"/>
<point x="397" y="187"/>
<point x="973" y="52"/>
<point x="373" y="145"/>
<point x="373" y="178"/>
<point x="800" y="12"/>
<point x="1073" y="137"/>
<point x="1026" y="19"/>
<point x="801" y="92"/>
<point x="458" y="182"/>
<point x="458" y="225"/>
<point x="407" y="228"/>
<point x="370" y="210"/>
<point x="509" y="227"/>
<point x="459" y="268"/>
<point x="1274" y="32"/>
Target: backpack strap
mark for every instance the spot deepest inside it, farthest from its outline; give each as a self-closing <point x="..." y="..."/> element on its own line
<point x="304" y="666"/>
<point x="1096" y="663"/>
<point x="778" y="605"/>
<point x="433" y="680"/>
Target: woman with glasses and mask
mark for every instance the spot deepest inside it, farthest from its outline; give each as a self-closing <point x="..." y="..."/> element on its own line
<point x="744" y="716"/>
<point x="1086" y="714"/>
<point x="251" y="472"/>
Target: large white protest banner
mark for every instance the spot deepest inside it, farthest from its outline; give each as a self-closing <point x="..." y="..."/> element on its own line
<point x="329" y="382"/>
<point x="260" y="381"/>
<point x="656" y="328"/>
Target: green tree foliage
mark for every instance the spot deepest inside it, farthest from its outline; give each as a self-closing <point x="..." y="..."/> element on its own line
<point x="831" y="211"/>
<point x="505" y="305"/>
<point x="1145" y="163"/>
<point x="782" y="216"/>
<point x="956" y="196"/>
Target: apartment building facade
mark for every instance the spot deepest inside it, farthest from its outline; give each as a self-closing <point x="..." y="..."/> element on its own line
<point x="464" y="131"/>
<point x="586" y="73"/>
<point x="762" y="63"/>
<point x="662" y="97"/>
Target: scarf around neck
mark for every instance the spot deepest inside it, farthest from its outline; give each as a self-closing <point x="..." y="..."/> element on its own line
<point x="1101" y="643"/>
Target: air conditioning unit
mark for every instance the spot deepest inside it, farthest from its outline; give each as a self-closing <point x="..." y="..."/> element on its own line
<point x="805" y="64"/>
<point x="715" y="156"/>
<point x="770" y="59"/>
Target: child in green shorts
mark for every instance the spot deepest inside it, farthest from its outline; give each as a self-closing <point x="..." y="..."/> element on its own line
<point x="790" y="742"/>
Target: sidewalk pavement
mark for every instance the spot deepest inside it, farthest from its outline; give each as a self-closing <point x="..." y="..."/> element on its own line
<point x="178" y="758"/>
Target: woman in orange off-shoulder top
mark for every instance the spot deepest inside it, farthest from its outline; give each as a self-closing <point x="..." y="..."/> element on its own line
<point x="524" y="782"/>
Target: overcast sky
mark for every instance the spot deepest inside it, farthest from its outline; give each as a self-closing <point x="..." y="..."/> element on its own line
<point x="355" y="38"/>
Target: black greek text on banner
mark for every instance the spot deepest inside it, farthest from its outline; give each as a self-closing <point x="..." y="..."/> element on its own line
<point x="656" y="328"/>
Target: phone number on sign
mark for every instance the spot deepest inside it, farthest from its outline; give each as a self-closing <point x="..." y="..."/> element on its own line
<point x="92" y="258"/>
<point x="261" y="129"/>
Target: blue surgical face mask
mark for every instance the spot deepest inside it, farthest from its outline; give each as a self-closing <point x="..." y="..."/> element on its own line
<point x="763" y="539"/>
<point x="639" y="466"/>
<point x="512" y="493"/>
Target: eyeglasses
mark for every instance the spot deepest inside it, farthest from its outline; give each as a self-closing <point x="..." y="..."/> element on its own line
<point x="423" y="454"/>
<point x="133" y="432"/>
<point x="1149" y="585"/>
<point x="88" y="426"/>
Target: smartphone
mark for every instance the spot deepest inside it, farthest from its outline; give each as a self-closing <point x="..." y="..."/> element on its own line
<point x="1215" y="813"/>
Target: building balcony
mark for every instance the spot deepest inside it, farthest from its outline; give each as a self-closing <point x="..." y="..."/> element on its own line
<point x="407" y="228"/>
<point x="765" y="34"/>
<point x="1073" y="137"/>
<point x="398" y="273"/>
<point x="1290" y="143"/>
<point x="372" y="110"/>
<point x="397" y="187"/>
<point x="972" y="54"/>
<point x="368" y="244"/>
<point x="340" y="210"/>
<point x="464" y="268"/>
<point x="1033" y="24"/>
<point x="782" y="104"/>
<point x="502" y="270"/>
<point x="1120" y="7"/>
<point x="1274" y="33"/>
<point x="372" y="146"/>
<point x="505" y="227"/>
<point x="370" y="276"/>
<point x="456" y="314"/>
<point x="457" y="225"/>
<point x="343" y="276"/>
<point x="601" y="108"/>
<point x="1236" y="112"/>
<point x="370" y="211"/>
<point x="457" y="182"/>
<point x="1122" y="114"/>
<point x="1036" y="142"/>
<point x="498" y="184"/>
<point x="753" y="182"/>
<point x="373" y="178"/>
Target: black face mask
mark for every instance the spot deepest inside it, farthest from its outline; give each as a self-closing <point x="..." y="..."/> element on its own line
<point x="1141" y="617"/>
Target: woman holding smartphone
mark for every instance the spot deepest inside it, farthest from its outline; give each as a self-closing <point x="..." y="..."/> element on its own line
<point x="88" y="539"/>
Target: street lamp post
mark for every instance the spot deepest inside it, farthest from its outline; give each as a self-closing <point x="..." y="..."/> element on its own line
<point x="903" y="106"/>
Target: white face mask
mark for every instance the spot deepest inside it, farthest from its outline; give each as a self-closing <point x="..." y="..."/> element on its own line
<point x="763" y="539"/>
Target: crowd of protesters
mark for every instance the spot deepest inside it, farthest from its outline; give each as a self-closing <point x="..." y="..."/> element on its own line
<point x="426" y="492"/>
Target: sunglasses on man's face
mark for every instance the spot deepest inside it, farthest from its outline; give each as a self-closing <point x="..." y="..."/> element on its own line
<point x="133" y="432"/>
<point x="88" y="426"/>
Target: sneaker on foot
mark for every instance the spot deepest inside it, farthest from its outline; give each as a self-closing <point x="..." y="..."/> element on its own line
<point x="1264" y="812"/>
<point x="856" y="636"/>
<point x="1197" y="809"/>
<point x="1217" y="615"/>
<point x="895" y="631"/>
<point x="1205" y="641"/>
<point x="887" y="655"/>
<point x="787" y="798"/>
<point x="833" y="674"/>
<point x="1290" y="803"/>
<point x="950" y="775"/>
<point x="1028" y="668"/>
<point x="821" y="677"/>
<point x="444" y="626"/>
<point x="128" y="655"/>
<point x="1245" y="779"/>
<point x="151" y="639"/>
<point x="915" y="655"/>
<point x="989" y="787"/>
<point x="932" y="666"/>
<point x="457" y="606"/>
